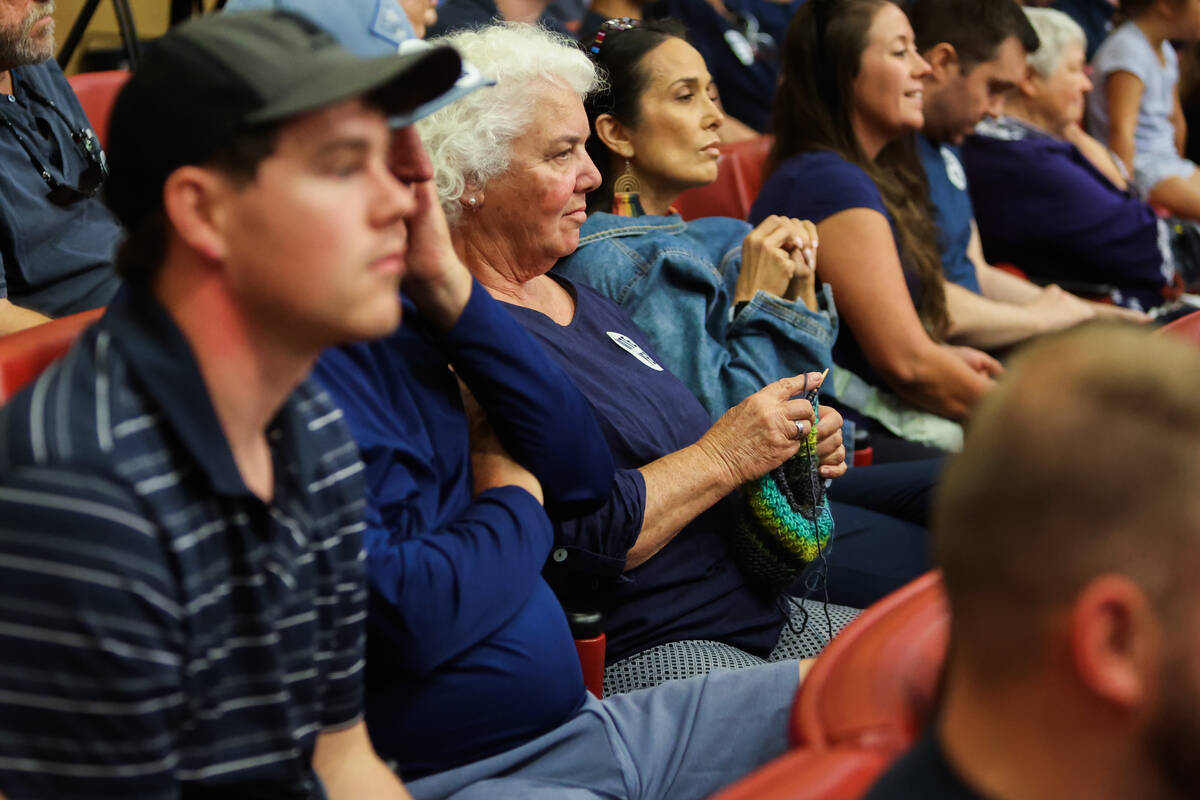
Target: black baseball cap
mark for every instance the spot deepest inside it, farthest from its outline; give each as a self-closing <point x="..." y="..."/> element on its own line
<point x="216" y="75"/>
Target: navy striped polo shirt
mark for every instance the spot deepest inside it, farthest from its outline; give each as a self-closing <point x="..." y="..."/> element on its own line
<point x="164" y="632"/>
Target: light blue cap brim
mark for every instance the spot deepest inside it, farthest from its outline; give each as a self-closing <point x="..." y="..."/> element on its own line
<point x="470" y="80"/>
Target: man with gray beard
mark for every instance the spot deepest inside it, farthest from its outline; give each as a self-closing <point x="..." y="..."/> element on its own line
<point x="56" y="237"/>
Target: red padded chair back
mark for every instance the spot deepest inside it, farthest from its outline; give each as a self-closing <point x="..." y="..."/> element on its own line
<point x="739" y="177"/>
<point x="24" y="354"/>
<point x="843" y="773"/>
<point x="1187" y="328"/>
<point x="97" y="91"/>
<point x="875" y="684"/>
<point x="724" y="197"/>
<point x="751" y="154"/>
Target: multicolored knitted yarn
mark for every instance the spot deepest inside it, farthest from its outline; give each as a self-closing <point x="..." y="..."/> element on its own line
<point x="784" y="523"/>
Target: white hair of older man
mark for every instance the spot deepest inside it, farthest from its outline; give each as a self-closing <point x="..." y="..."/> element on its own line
<point x="470" y="140"/>
<point x="1055" y="32"/>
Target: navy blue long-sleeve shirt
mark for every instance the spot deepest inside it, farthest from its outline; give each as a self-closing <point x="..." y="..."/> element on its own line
<point x="1042" y="205"/>
<point x="468" y="650"/>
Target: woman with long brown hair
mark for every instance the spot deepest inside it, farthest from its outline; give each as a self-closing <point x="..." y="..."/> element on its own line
<point x="847" y="108"/>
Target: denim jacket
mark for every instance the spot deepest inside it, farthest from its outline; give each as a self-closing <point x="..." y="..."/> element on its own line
<point x="676" y="280"/>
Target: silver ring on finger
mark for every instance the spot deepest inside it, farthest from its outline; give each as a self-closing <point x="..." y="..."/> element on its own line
<point x="800" y="429"/>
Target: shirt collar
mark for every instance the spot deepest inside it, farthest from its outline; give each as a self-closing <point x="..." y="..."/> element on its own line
<point x="165" y="368"/>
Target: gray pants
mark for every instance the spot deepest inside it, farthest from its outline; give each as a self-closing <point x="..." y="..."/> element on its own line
<point x="681" y="740"/>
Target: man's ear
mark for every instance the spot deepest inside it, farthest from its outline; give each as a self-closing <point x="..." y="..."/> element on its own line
<point x="943" y="62"/>
<point x="1116" y="641"/>
<point x="1030" y="85"/>
<point x="614" y="135"/>
<point x="195" y="200"/>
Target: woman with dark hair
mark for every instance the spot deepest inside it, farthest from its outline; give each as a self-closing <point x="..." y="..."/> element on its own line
<point x="654" y="129"/>
<point x="846" y="111"/>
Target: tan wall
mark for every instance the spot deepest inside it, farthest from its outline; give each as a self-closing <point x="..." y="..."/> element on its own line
<point x="149" y="16"/>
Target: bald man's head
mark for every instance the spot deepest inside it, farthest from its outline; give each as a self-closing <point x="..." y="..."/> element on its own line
<point x="1085" y="461"/>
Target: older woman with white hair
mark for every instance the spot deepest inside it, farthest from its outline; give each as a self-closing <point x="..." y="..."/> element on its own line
<point x="1053" y="201"/>
<point x="512" y="173"/>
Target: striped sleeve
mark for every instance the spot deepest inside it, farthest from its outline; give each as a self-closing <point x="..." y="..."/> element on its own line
<point x="342" y="696"/>
<point x="91" y="644"/>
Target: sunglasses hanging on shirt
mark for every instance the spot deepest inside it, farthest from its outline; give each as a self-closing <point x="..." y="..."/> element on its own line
<point x="93" y="175"/>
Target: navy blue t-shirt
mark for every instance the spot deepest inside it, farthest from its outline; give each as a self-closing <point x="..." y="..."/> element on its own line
<point x="816" y="185"/>
<point x="54" y="259"/>
<point x="923" y="773"/>
<point x="952" y="208"/>
<point x="691" y="589"/>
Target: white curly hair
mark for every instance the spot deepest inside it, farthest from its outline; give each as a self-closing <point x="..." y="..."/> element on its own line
<point x="1055" y="31"/>
<point x="471" y="138"/>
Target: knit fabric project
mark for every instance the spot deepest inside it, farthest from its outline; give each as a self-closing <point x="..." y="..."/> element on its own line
<point x="783" y="523"/>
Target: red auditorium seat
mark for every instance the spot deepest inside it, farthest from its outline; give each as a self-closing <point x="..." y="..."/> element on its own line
<point x="97" y="92"/>
<point x="864" y="702"/>
<point x="875" y="683"/>
<point x="24" y="354"/>
<point x="739" y="177"/>
<point x="1185" y="327"/>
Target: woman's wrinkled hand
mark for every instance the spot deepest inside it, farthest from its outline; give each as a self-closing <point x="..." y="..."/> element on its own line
<point x="764" y="430"/>
<point x="779" y="257"/>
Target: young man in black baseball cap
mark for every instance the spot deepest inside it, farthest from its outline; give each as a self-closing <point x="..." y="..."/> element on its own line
<point x="181" y="584"/>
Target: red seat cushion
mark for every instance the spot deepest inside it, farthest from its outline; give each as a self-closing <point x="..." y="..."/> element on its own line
<point x="23" y="355"/>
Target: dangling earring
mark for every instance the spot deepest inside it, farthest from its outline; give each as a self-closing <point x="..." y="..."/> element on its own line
<point x="627" y="182"/>
<point x="626" y="194"/>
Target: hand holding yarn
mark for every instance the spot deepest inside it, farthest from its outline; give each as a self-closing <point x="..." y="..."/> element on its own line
<point x="760" y="433"/>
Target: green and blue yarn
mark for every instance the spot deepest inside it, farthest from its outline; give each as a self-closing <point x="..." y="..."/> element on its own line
<point x="785" y="522"/>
